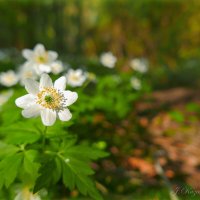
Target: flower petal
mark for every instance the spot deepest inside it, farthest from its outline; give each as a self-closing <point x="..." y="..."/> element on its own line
<point x="39" y="49"/>
<point x="65" y="115"/>
<point x="70" y="97"/>
<point x="60" y="84"/>
<point x="44" y="68"/>
<point x="45" y="81"/>
<point x="31" y="111"/>
<point x="52" y="55"/>
<point x="31" y="86"/>
<point x="78" y="72"/>
<point x="48" y="117"/>
<point x="28" y="54"/>
<point x="25" y="101"/>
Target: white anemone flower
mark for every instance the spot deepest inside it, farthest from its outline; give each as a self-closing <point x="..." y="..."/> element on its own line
<point x="108" y="60"/>
<point x="9" y="78"/>
<point x="139" y="65"/>
<point x="40" y="58"/>
<point x="136" y="83"/>
<point x="47" y="100"/>
<point x="25" y="194"/>
<point x="27" y="71"/>
<point x="76" y="78"/>
<point x="57" y="67"/>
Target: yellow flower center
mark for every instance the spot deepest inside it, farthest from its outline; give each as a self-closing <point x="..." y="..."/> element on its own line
<point x="74" y="77"/>
<point x="28" y="74"/>
<point x="50" y="98"/>
<point x="42" y="58"/>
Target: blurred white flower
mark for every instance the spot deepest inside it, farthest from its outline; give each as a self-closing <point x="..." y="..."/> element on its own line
<point x="25" y="194"/>
<point x="27" y="71"/>
<point x="139" y="65"/>
<point x="108" y="60"/>
<point x="57" y="67"/>
<point x="9" y="78"/>
<point x="47" y="100"/>
<point x="40" y="58"/>
<point x="76" y="78"/>
<point x="5" y="96"/>
<point x="136" y="83"/>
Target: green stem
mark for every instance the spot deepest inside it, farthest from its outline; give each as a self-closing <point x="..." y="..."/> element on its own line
<point x="44" y="137"/>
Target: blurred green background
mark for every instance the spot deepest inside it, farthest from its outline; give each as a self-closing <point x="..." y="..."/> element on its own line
<point x="166" y="32"/>
<point x="163" y="31"/>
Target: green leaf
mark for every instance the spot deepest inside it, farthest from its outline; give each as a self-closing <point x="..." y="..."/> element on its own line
<point x="18" y="133"/>
<point x="23" y="137"/>
<point x="45" y="178"/>
<point x="76" y="167"/>
<point x="31" y="167"/>
<point x="7" y="149"/>
<point x="82" y="151"/>
<point x="73" y="176"/>
<point x="9" y="168"/>
<point x="57" y="173"/>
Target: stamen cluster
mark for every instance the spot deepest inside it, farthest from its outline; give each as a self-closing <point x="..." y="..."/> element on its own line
<point x="51" y="98"/>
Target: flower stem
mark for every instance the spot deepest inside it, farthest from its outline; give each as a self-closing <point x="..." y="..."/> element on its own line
<point x="44" y="137"/>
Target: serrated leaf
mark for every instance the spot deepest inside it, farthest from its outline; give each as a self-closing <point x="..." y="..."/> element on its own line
<point x="45" y="178"/>
<point x="31" y="167"/>
<point x="7" y="149"/>
<point x="19" y="133"/>
<point x="57" y="171"/>
<point x="22" y="137"/>
<point x="80" y="165"/>
<point x="68" y="177"/>
<point x="9" y="167"/>
<point x="73" y="177"/>
<point x="86" y="152"/>
<point x="76" y="168"/>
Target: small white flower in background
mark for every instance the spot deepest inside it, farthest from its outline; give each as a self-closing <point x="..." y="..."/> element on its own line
<point x="139" y="65"/>
<point x="5" y="96"/>
<point x="9" y="78"/>
<point x="47" y="100"/>
<point x="40" y="58"/>
<point x="76" y="78"/>
<point x="108" y="60"/>
<point x="136" y="83"/>
<point x="25" y="194"/>
<point x="56" y="67"/>
<point x="27" y="71"/>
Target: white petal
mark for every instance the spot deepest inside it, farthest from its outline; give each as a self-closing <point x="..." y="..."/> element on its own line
<point x="70" y="71"/>
<point x="44" y="68"/>
<point x="65" y="115"/>
<point x="25" y="101"/>
<point x="60" y="84"/>
<point x="31" y="111"/>
<point x="39" y="49"/>
<point x="31" y="86"/>
<point x="48" y="117"/>
<point x="45" y="81"/>
<point x="70" y="97"/>
<point x="28" y="54"/>
<point x="52" y="55"/>
<point x="78" y="72"/>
